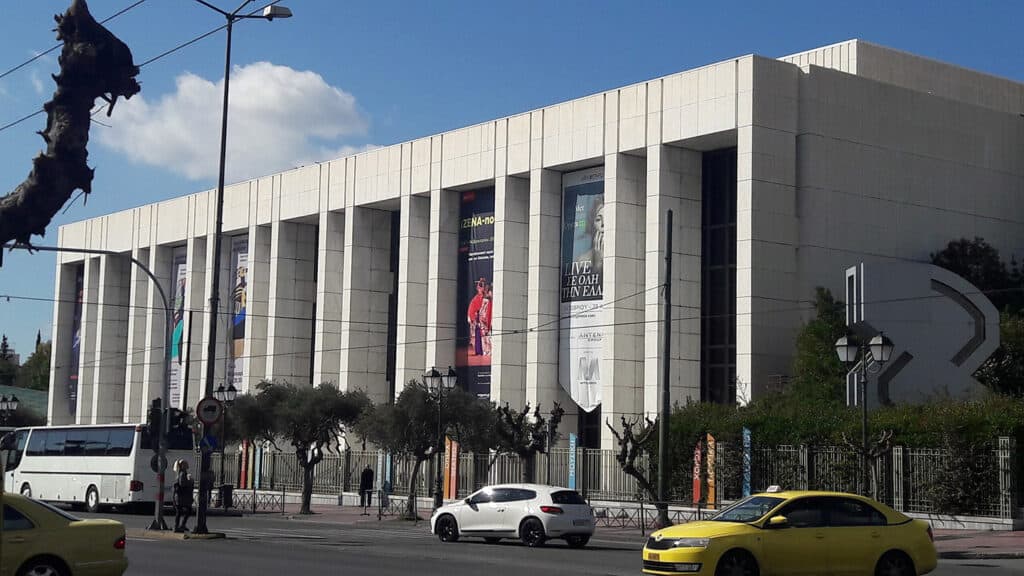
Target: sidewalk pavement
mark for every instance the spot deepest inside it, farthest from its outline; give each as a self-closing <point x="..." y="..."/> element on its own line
<point x="950" y="544"/>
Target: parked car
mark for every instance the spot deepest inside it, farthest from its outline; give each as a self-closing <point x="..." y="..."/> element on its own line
<point x="796" y="533"/>
<point x="528" y="512"/>
<point x="40" y="539"/>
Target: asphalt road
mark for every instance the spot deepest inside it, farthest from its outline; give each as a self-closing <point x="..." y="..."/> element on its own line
<point x="273" y="545"/>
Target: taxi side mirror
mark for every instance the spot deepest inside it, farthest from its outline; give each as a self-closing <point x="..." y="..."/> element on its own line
<point x="776" y="522"/>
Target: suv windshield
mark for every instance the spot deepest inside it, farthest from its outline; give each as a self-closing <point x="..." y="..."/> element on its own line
<point x="748" y="509"/>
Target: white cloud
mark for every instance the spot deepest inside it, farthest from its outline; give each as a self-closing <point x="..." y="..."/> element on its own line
<point x="278" y="118"/>
<point x="37" y="83"/>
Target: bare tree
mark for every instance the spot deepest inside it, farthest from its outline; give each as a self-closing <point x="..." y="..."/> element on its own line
<point x="636" y="439"/>
<point x="876" y="449"/>
<point x="93" y="64"/>
<point x="525" y="435"/>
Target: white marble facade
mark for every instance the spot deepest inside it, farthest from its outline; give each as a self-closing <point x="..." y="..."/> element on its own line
<point x="845" y="153"/>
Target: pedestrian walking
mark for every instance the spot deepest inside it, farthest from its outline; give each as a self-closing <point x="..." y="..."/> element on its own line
<point x="366" y="488"/>
<point x="184" y="486"/>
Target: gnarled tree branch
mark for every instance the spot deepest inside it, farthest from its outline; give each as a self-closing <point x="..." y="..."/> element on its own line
<point x="93" y="64"/>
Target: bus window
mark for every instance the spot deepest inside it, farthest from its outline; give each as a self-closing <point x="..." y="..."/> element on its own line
<point x="37" y="443"/>
<point x="121" y="441"/>
<point x="55" y="442"/>
<point x="96" y="441"/>
<point x="75" y="443"/>
<point x="14" y="456"/>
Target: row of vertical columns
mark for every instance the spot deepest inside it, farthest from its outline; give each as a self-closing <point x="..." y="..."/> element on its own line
<point x="198" y="252"/>
<point x="543" y="302"/>
<point x="329" y="282"/>
<point x="673" y="183"/>
<point x="442" y="274"/>
<point x="413" y="254"/>
<point x="622" y="362"/>
<point x="509" y="321"/>
<point x="59" y="411"/>
<point x="135" y="370"/>
<point x="365" y="302"/>
<point x="87" y="348"/>
<point x="108" y="396"/>
<point x="292" y="293"/>
<point x="257" y="308"/>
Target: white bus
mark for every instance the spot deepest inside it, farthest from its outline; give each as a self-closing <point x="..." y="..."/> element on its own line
<point x="93" y="466"/>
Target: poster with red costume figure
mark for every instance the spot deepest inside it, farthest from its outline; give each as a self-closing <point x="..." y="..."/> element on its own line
<point x="475" y="296"/>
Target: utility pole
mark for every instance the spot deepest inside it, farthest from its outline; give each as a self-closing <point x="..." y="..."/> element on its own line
<point x="666" y="366"/>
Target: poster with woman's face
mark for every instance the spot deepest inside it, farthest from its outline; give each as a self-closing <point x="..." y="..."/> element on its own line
<point x="582" y="286"/>
<point x="475" y="297"/>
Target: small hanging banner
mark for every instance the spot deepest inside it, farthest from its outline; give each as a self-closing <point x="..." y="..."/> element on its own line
<point x="696" y="473"/>
<point x="746" y="462"/>
<point x="711" y="471"/>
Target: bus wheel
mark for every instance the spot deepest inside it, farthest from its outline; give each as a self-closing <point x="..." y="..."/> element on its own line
<point x="92" y="500"/>
<point x="26" y="490"/>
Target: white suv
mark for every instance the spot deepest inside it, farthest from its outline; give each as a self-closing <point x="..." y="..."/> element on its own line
<point x="529" y="512"/>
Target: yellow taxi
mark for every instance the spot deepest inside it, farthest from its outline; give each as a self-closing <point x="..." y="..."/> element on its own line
<point x="40" y="540"/>
<point x="795" y="533"/>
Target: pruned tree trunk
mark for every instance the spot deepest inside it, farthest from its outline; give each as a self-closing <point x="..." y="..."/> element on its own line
<point x="631" y="446"/>
<point x="410" y="505"/>
<point x="307" y="489"/>
<point x="529" y="461"/>
<point x="93" y="64"/>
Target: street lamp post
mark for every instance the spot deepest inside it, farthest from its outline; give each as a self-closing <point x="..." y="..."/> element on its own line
<point x="438" y="384"/>
<point x="851" y="349"/>
<point x="269" y="13"/>
<point x="225" y="396"/>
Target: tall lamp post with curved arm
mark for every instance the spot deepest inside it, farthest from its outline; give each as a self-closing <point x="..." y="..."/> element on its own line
<point x="439" y="384"/>
<point x="878" y="350"/>
<point x="269" y="13"/>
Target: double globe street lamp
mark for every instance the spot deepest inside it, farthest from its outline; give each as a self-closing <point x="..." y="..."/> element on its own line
<point x="226" y="396"/>
<point x="851" y="350"/>
<point x="438" y="385"/>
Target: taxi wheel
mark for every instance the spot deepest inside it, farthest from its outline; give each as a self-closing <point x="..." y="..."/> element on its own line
<point x="43" y="567"/>
<point x="894" y="564"/>
<point x="92" y="500"/>
<point x="447" y="529"/>
<point x="737" y="563"/>
<point x="26" y="490"/>
<point x="531" y="532"/>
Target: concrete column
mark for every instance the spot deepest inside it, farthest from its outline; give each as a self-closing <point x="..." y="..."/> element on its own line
<point x="329" y="281"/>
<point x="292" y="289"/>
<point x="767" y="300"/>
<point x="366" y="289"/>
<point x="197" y="293"/>
<point x="87" y="349"/>
<point x="542" y="386"/>
<point x="111" y="340"/>
<point x="442" y="278"/>
<point x="413" y="263"/>
<point x="622" y="359"/>
<point x="673" y="183"/>
<point x="257" y="308"/>
<point x="198" y="391"/>
<point x="159" y="263"/>
<point x="511" y="259"/>
<point x="134" y="404"/>
<point x="58" y="410"/>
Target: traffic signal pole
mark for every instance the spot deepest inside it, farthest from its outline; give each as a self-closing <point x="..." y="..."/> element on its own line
<point x="158" y="514"/>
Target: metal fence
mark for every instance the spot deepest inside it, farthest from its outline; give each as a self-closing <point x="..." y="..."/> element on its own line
<point x="906" y="478"/>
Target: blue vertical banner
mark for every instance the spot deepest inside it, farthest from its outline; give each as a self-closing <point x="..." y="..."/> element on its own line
<point x="746" y="462"/>
<point x="572" y="461"/>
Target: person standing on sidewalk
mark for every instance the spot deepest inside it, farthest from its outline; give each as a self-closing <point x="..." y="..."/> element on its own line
<point x="183" y="488"/>
<point x="366" y="488"/>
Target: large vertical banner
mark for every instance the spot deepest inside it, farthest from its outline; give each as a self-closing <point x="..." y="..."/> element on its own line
<point x="475" y="298"/>
<point x="582" y="287"/>
<point x="239" y="289"/>
<point x="76" y="342"/>
<point x="179" y="276"/>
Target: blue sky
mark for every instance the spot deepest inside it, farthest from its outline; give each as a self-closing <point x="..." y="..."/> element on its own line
<point x="358" y="74"/>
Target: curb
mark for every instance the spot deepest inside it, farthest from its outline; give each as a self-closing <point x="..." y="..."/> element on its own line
<point x="969" y="555"/>
<point x="171" y="535"/>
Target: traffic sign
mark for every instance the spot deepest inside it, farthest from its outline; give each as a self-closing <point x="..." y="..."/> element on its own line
<point x="209" y="410"/>
<point x="158" y="463"/>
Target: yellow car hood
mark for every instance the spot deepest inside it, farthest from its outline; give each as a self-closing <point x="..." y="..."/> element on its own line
<point x="703" y="529"/>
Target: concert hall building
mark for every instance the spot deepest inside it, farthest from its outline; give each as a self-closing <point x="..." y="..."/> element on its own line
<point x="528" y="252"/>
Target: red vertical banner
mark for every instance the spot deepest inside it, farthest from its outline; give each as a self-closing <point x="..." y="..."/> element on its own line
<point x="696" y="473"/>
<point x="711" y="471"/>
<point x="451" y="469"/>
